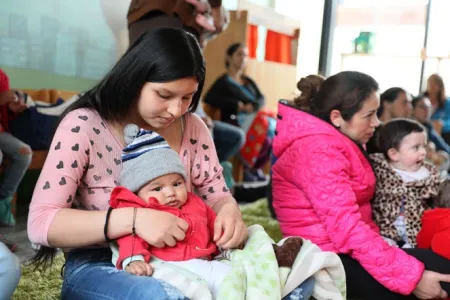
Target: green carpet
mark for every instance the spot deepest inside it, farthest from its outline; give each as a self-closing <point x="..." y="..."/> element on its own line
<point x="47" y="286"/>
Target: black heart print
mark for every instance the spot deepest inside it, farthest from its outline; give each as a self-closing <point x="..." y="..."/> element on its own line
<point x="211" y="190"/>
<point x="205" y="147"/>
<point x="58" y="146"/>
<point x="97" y="178"/>
<point x="108" y="148"/>
<point x="185" y="153"/>
<point x="106" y="190"/>
<point x="75" y="147"/>
<point x="97" y="131"/>
<point x="116" y="182"/>
<point x="62" y="181"/>
<point x="90" y="166"/>
<point x="69" y="199"/>
<point x="92" y="142"/>
<point x="75" y="164"/>
<point x="87" y="151"/>
<point x="193" y="142"/>
<point x="198" y="166"/>
<point x="76" y="129"/>
<point x="225" y="189"/>
<point x="109" y="171"/>
<point x="47" y="185"/>
<point x="84" y="118"/>
<point x="60" y="165"/>
<point x="204" y="197"/>
<point x="90" y="191"/>
<point x="95" y="207"/>
<point x="215" y="169"/>
<point x="218" y="177"/>
<point x="206" y="158"/>
<point x="99" y="155"/>
<point x="206" y="175"/>
<point x="117" y="161"/>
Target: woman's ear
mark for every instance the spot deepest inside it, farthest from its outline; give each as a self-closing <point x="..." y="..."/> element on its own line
<point x="393" y="155"/>
<point x="336" y="118"/>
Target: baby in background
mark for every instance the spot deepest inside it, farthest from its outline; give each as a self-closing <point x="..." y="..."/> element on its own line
<point x="435" y="232"/>
<point x="406" y="184"/>
<point x="153" y="176"/>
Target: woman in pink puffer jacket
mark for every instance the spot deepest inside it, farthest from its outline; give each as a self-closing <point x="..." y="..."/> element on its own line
<point x="323" y="182"/>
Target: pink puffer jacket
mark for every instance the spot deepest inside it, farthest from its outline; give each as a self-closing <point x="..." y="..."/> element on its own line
<point x="322" y="187"/>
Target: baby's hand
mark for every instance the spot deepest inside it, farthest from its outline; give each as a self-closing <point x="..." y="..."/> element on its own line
<point x="139" y="268"/>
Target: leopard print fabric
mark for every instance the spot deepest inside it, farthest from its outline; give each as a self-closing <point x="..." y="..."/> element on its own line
<point x="391" y="189"/>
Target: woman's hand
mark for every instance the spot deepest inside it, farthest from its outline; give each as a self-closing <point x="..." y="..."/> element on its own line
<point x="429" y="286"/>
<point x="159" y="228"/>
<point x="229" y="228"/>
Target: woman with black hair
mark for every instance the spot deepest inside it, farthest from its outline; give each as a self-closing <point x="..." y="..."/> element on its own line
<point x="155" y="85"/>
<point x="240" y="103"/>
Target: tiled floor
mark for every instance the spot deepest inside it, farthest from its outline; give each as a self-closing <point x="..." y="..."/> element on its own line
<point x="19" y="236"/>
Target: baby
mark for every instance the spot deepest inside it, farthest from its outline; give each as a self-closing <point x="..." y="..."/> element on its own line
<point x="153" y="176"/>
<point x="406" y="184"/>
<point x="435" y="232"/>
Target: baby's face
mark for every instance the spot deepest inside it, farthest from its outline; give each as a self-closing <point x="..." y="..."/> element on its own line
<point x="169" y="190"/>
<point x="412" y="151"/>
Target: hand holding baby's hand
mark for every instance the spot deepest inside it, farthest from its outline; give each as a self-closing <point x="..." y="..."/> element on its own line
<point x="139" y="268"/>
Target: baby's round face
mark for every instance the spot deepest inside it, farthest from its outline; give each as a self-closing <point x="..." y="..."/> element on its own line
<point x="168" y="189"/>
<point x="412" y="152"/>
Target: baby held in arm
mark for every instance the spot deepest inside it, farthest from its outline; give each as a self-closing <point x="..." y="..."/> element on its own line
<point x="154" y="177"/>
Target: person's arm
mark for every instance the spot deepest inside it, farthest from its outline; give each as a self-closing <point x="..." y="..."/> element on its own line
<point x="322" y="175"/>
<point x="441" y="144"/>
<point x="446" y="118"/>
<point x="52" y="221"/>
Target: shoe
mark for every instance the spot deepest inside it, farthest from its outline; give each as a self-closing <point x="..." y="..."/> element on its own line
<point x="6" y="217"/>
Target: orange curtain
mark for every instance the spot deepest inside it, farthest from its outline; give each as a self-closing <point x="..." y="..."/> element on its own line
<point x="252" y="40"/>
<point x="278" y="47"/>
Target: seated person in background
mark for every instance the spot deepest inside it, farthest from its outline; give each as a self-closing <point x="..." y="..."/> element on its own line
<point x="394" y="103"/>
<point x="435" y="232"/>
<point x="422" y="111"/>
<point x="240" y="103"/>
<point x="9" y="272"/>
<point x="440" y="105"/>
<point x="406" y="184"/>
<point x="17" y="153"/>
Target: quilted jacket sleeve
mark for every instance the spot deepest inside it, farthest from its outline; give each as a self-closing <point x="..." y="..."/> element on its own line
<point x="322" y="174"/>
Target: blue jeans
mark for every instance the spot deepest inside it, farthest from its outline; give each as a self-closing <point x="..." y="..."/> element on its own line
<point x="9" y="272"/>
<point x="228" y="140"/>
<point x="303" y="292"/>
<point x="19" y="157"/>
<point x="89" y="275"/>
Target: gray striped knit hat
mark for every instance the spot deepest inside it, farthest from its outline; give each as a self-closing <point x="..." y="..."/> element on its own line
<point x="146" y="157"/>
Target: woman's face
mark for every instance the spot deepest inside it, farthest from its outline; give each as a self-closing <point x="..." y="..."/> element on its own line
<point x="401" y="107"/>
<point x="361" y="126"/>
<point x="239" y="58"/>
<point x="422" y="110"/>
<point x="160" y="104"/>
<point x="432" y="86"/>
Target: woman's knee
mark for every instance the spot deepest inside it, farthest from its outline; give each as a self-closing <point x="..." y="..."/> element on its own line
<point x="25" y="155"/>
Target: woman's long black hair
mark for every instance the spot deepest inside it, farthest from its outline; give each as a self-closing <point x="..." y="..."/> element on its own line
<point x="159" y="55"/>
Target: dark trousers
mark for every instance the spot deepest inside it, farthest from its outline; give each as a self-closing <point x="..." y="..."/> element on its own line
<point x="361" y="285"/>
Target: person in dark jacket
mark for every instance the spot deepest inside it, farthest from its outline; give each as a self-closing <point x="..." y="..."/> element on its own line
<point x="240" y="103"/>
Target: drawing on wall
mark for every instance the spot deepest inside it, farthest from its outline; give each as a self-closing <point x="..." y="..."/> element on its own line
<point x="80" y="38"/>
